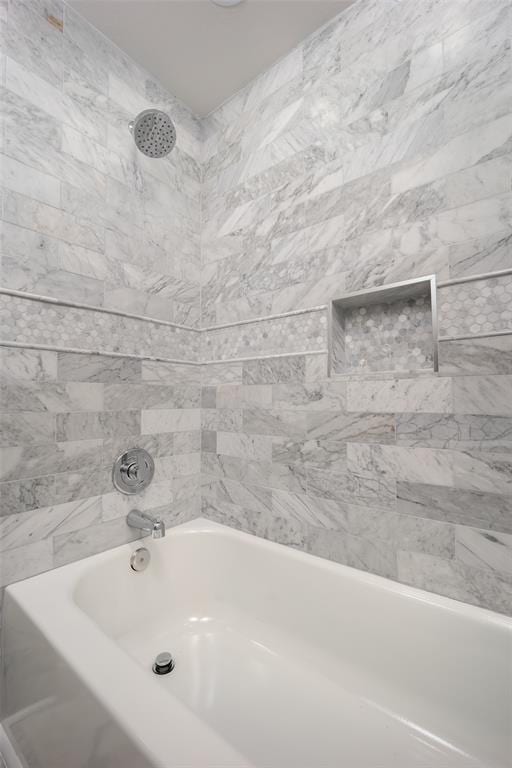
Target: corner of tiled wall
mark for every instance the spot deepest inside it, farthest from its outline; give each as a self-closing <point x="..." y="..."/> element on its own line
<point x="375" y="152"/>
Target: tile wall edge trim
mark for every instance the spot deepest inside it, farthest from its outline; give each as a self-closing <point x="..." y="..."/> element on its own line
<point x="269" y="356"/>
<point x="78" y="351"/>
<point x="472" y="278"/>
<point x="261" y="318"/>
<point x="156" y="321"/>
<point x="470" y="336"/>
<point x="93" y="308"/>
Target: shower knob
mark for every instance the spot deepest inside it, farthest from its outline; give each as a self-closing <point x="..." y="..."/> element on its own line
<point x="133" y="471"/>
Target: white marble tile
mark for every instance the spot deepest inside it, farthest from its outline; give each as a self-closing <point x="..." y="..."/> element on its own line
<point x="490" y="511"/>
<point x="421" y="395"/>
<point x="29" y="181"/>
<point x="484" y="549"/>
<point x="40" y="524"/>
<point x="488" y="395"/>
<point x="26" y="212"/>
<point x="25" y="561"/>
<point x="27" y="364"/>
<point x="457" y="580"/>
<point x="163" y="420"/>
<point x="476" y="356"/>
<point x="252" y="447"/>
<point x="415" y="465"/>
<point x="461" y="152"/>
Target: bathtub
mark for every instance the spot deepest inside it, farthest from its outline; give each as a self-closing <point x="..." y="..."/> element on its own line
<point x="283" y="660"/>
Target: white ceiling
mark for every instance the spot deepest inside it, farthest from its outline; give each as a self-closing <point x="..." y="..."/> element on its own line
<point x="203" y="53"/>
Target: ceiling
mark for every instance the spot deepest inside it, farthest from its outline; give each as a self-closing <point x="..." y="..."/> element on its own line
<point x="201" y="52"/>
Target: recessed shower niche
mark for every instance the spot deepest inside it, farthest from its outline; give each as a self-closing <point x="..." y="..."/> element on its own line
<point x="392" y="328"/>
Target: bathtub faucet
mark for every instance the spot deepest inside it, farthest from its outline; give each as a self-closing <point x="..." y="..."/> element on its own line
<point x="146" y="523"/>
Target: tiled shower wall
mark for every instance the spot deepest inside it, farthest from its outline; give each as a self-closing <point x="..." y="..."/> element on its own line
<point x="86" y="217"/>
<point x="88" y="220"/>
<point x="377" y="151"/>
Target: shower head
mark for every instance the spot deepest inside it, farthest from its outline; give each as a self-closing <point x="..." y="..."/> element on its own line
<point x="154" y="133"/>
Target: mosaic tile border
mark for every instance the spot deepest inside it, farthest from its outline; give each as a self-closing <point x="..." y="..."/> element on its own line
<point x="93" y="308"/>
<point x="298" y="332"/>
<point x="31" y="322"/>
<point x="476" y="307"/>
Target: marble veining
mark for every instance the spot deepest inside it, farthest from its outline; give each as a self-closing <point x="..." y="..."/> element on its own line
<point x="377" y="151"/>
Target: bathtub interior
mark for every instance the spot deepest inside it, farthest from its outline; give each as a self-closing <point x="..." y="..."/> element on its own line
<point x="257" y="630"/>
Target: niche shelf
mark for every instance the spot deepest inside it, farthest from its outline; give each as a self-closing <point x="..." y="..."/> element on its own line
<point x="389" y="329"/>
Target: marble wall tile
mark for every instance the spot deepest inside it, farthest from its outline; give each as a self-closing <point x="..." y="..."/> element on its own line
<point x="208" y="397"/>
<point x="352" y="488"/>
<point x="319" y="454"/>
<point x="461" y="152"/>
<point x="487" y="395"/>
<point x="250" y="497"/>
<point x="454" y="579"/>
<point x="322" y="396"/>
<point x="98" y="368"/>
<point x="365" y="554"/>
<point x="476" y="307"/>
<point x="316" y="367"/>
<point x="169" y="373"/>
<point x="170" y="420"/>
<point x="28" y="181"/>
<point x="23" y="495"/>
<point x="377" y="151"/>
<point x="187" y="442"/>
<point x="26" y="212"/>
<point x="28" y="527"/>
<point x="490" y="511"/>
<point x="266" y="474"/>
<point x="53" y="397"/>
<point x="65" y="89"/>
<point x="209" y="441"/>
<point x="416" y="465"/>
<point x="459" y="431"/>
<point x="273" y="371"/>
<point x="489" y="472"/>
<point x="36" y="322"/>
<point x="181" y="465"/>
<point x="300" y="333"/>
<point x="24" y="428"/>
<point x="74" y="426"/>
<point x="36" y="460"/>
<point x="308" y="509"/>
<point x="483" y="549"/>
<point x="222" y="373"/>
<point x="225" y="419"/>
<point x="25" y="561"/>
<point x="421" y="395"/>
<point x="88" y="541"/>
<point x="251" y="447"/>
<point x="351" y="427"/>
<point x="273" y="421"/>
<point x="148" y="395"/>
<point x="240" y="396"/>
<point x="158" y="444"/>
<point x="489" y="253"/>
<point x="491" y="354"/>
<point x="27" y="364"/>
<point x="385" y="337"/>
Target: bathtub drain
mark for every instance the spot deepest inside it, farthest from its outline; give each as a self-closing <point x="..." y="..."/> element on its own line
<point x="164" y="663"/>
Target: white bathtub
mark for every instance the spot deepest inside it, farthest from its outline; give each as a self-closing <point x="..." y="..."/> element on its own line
<point x="283" y="660"/>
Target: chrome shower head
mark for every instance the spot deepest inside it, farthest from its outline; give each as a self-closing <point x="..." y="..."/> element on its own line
<point x="154" y="133"/>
